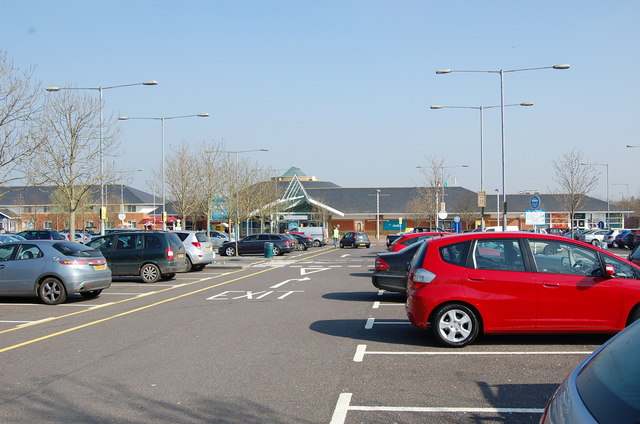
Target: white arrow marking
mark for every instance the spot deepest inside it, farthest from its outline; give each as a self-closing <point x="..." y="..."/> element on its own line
<point x="345" y="255"/>
<point x="305" y="271"/>
<point x="292" y="279"/>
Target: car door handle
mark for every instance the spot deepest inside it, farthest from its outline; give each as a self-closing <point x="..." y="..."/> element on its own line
<point x="476" y="278"/>
<point x="550" y="284"/>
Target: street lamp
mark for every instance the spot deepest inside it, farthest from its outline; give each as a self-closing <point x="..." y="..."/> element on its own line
<point x="100" y="90"/>
<point x="162" y="119"/>
<point x="237" y="152"/>
<point x="481" y="109"/>
<point x="607" y="166"/>
<point x="441" y="168"/>
<point x="502" y="105"/>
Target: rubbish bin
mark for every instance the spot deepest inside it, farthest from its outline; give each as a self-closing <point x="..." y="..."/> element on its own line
<point x="268" y="250"/>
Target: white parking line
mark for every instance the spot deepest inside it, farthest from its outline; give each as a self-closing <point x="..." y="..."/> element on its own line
<point x="377" y="304"/>
<point x="371" y="321"/>
<point x="361" y="350"/>
<point x="344" y="405"/>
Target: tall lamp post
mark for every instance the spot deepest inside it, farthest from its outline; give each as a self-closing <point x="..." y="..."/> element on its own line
<point x="237" y="153"/>
<point x="162" y="119"/>
<point x="100" y="90"/>
<point x="502" y="105"/>
<point x="481" y="109"/>
<point x="607" y="166"/>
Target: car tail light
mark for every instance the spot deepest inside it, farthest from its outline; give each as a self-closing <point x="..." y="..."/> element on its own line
<point x="287" y="241"/>
<point x="381" y="264"/>
<point x="197" y="244"/>
<point x="170" y="253"/>
<point x="97" y="261"/>
<point x="421" y="277"/>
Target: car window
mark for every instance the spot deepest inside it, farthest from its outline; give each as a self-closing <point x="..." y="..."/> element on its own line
<point x="250" y="238"/>
<point x="183" y="236"/>
<point x="202" y="237"/>
<point x="6" y="252"/>
<point x="622" y="270"/>
<point x="498" y="254"/>
<point x="75" y="249"/>
<point x="102" y="243"/>
<point x="557" y="257"/>
<point x="265" y="237"/>
<point x="455" y="253"/>
<point x="126" y="242"/>
<point x="29" y="251"/>
<point x="152" y="241"/>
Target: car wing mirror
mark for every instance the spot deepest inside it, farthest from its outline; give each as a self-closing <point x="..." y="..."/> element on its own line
<point x="609" y="270"/>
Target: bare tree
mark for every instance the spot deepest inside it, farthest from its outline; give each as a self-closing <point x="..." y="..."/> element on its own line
<point x="574" y="180"/>
<point x="20" y="109"/>
<point x="467" y="208"/>
<point x="70" y="143"/>
<point x="433" y="172"/>
<point x="419" y="210"/>
<point x="180" y="177"/>
<point x="209" y="167"/>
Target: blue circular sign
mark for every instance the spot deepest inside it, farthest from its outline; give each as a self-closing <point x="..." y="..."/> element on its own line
<point x="535" y="202"/>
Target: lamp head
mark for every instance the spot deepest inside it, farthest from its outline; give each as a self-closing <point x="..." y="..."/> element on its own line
<point x="443" y="71"/>
<point x="436" y="107"/>
<point x="52" y="88"/>
<point x="526" y="104"/>
<point x="150" y="83"/>
<point x="565" y="66"/>
<point x="123" y="118"/>
<point x="202" y="115"/>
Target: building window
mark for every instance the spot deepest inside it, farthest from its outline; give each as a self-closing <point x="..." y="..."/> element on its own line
<point x="28" y="209"/>
<point x="45" y="209"/>
<point x="130" y="208"/>
<point x="48" y="225"/>
<point x="131" y="224"/>
<point x="88" y="224"/>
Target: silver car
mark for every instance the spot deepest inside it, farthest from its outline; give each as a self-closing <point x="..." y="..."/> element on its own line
<point x="51" y="270"/>
<point x="197" y="247"/>
<point x="604" y="387"/>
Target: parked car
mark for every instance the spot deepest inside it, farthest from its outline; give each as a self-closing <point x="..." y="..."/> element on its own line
<point x="610" y="237"/>
<point x="557" y="231"/>
<point x="393" y="237"/>
<point x="411" y="238"/>
<point x="392" y="269"/>
<point x="318" y="234"/>
<point x="604" y="387"/>
<point x="52" y="270"/>
<point x="630" y="239"/>
<point x="619" y="240"/>
<point x="304" y="242"/>
<point x="152" y="255"/>
<point x="197" y="247"/>
<point x="42" y="235"/>
<point x="8" y="238"/>
<point x="355" y="239"/>
<point x="217" y="238"/>
<point x="463" y="285"/>
<point x="595" y="237"/>
<point x="254" y="244"/>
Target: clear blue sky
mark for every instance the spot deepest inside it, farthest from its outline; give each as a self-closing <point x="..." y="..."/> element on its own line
<point x="342" y="88"/>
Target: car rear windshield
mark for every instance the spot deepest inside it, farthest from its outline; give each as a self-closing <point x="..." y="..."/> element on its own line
<point x="608" y="385"/>
<point x="202" y="237"/>
<point x="174" y="239"/>
<point x="75" y="249"/>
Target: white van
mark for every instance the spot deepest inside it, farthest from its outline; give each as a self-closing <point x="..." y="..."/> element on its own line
<point x="318" y="234"/>
<point x="509" y="228"/>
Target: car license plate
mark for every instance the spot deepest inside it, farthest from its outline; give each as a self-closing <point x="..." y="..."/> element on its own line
<point x="208" y="249"/>
<point x="99" y="267"/>
<point x="181" y="255"/>
<point x="362" y="244"/>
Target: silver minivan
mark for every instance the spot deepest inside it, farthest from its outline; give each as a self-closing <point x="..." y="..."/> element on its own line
<point x="198" y="248"/>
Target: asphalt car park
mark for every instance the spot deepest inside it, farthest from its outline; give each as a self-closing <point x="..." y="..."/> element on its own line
<point x="303" y="338"/>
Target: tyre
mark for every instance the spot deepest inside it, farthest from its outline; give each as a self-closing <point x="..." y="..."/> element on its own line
<point x="455" y="325"/>
<point x="197" y="267"/>
<point x="316" y="243"/>
<point x="52" y="292"/>
<point x="230" y="251"/>
<point x="149" y="273"/>
<point x="168" y="276"/>
<point x="354" y="245"/>
<point x="277" y="251"/>
<point x="634" y="315"/>
<point x="341" y="245"/>
<point x="91" y="294"/>
<point x="595" y="242"/>
<point x="190" y="266"/>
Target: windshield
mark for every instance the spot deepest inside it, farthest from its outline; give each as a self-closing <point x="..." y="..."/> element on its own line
<point x="610" y="384"/>
<point x="77" y="250"/>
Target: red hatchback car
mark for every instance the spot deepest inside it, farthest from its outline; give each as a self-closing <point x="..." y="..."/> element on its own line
<point x="465" y="285"/>
<point x="411" y="238"/>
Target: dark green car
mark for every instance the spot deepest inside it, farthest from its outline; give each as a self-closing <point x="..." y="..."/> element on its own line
<point x="152" y="255"/>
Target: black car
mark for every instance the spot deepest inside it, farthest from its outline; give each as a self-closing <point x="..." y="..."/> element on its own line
<point x="153" y="255"/>
<point x="393" y="237"/>
<point x="355" y="239"/>
<point x="392" y="269"/>
<point x="254" y="244"/>
<point x="304" y="242"/>
<point x="42" y="235"/>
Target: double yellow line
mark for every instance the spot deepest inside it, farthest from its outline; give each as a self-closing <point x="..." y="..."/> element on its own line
<point x="89" y="324"/>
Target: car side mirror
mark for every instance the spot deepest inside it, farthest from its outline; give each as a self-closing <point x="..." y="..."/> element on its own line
<point x="609" y="270"/>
